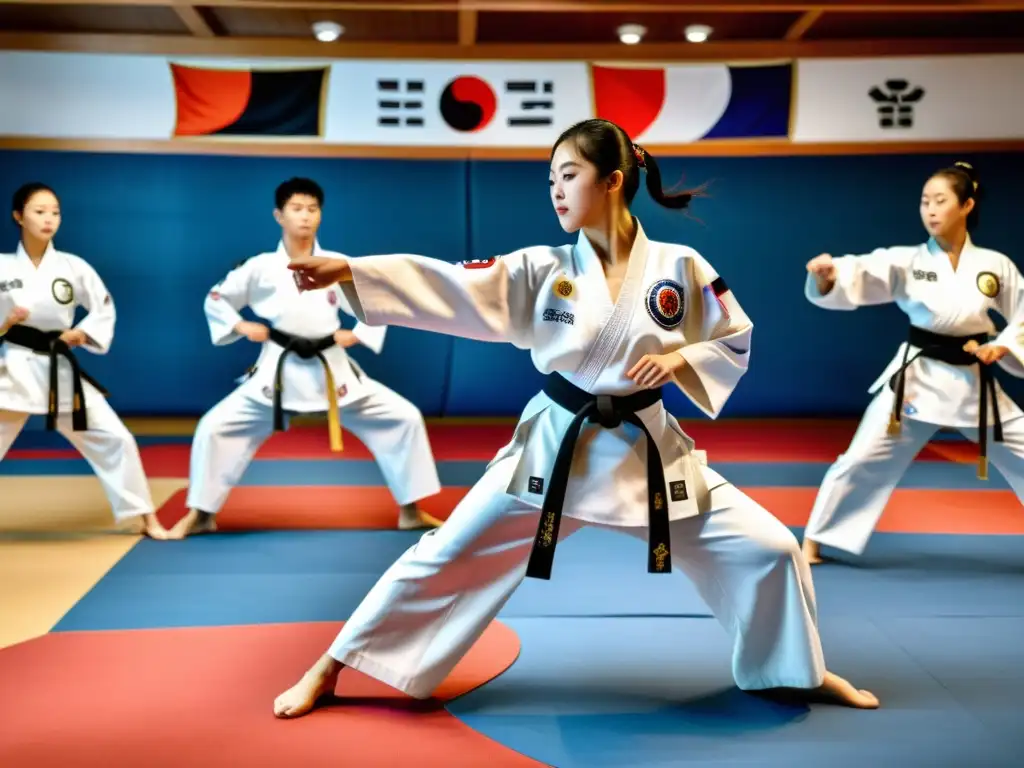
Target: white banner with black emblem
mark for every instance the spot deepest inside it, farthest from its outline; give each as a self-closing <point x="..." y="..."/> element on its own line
<point x="910" y="99"/>
<point x="514" y="104"/>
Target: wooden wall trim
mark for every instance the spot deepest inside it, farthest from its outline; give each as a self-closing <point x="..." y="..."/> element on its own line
<point x="303" y="48"/>
<point x="724" y="148"/>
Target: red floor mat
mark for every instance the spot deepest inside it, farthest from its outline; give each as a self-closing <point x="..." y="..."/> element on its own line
<point x="912" y="510"/>
<point x="102" y="699"/>
<point x="724" y="441"/>
<point x="449" y="442"/>
<point x="256" y="508"/>
<point x="337" y="507"/>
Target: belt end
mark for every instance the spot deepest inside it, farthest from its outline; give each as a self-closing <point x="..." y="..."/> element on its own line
<point x="894" y="426"/>
<point x="983" y="467"/>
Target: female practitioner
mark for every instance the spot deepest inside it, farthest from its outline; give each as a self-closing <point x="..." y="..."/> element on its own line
<point x="610" y="320"/>
<point x="940" y="376"/>
<point x="40" y="288"/>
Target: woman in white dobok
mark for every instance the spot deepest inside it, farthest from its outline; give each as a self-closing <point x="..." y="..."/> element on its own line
<point x="939" y="377"/>
<point x="610" y="320"/>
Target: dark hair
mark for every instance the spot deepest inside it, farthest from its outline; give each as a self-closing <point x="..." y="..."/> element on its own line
<point x="297" y="186"/>
<point x="610" y="149"/>
<point x="25" y="192"/>
<point x="964" y="180"/>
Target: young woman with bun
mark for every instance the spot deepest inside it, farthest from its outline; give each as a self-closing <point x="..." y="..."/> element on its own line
<point x="941" y="376"/>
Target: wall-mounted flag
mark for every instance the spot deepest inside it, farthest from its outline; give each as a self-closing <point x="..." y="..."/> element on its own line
<point x="248" y="102"/>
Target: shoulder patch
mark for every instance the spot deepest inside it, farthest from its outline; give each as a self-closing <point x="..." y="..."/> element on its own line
<point x="62" y="290"/>
<point x="988" y="284"/>
<point x="665" y="303"/>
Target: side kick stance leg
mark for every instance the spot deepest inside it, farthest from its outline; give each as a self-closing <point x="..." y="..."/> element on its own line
<point x="860" y="483"/>
<point x="226" y="440"/>
<point x="435" y="601"/>
<point x="393" y="430"/>
<point x="748" y="568"/>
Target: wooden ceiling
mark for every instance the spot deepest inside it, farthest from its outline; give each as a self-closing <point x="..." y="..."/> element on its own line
<point x="515" y="29"/>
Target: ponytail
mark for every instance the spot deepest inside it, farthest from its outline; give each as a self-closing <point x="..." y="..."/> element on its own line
<point x="610" y="149"/>
<point x="674" y="200"/>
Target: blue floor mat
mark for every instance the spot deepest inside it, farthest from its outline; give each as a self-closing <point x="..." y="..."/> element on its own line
<point x="280" y="576"/>
<point x="621" y="693"/>
<point x="239" y="578"/>
<point x="45" y="440"/>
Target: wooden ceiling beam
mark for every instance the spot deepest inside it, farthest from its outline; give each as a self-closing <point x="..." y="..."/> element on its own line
<point x="182" y="45"/>
<point x="467" y="27"/>
<point x="194" y="20"/>
<point x="578" y="6"/>
<point x="801" y="26"/>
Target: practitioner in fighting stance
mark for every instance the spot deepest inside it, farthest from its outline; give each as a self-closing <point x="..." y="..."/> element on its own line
<point x="610" y="320"/>
<point x="303" y="367"/>
<point x="941" y="375"/>
<point x="40" y="289"/>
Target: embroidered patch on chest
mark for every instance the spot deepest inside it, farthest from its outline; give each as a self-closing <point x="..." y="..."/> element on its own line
<point x="988" y="284"/>
<point x="564" y="288"/>
<point x="478" y="263"/>
<point x="665" y="303"/>
<point x="332" y="298"/>
<point x="678" y="491"/>
<point x="10" y="285"/>
<point x="62" y="291"/>
<point x="559" y="316"/>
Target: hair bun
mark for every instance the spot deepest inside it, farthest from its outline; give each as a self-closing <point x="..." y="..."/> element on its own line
<point x="969" y="171"/>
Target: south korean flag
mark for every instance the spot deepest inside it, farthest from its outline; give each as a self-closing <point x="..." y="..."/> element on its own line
<point x="477" y="263"/>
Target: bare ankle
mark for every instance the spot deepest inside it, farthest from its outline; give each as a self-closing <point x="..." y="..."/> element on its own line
<point x="327" y="666"/>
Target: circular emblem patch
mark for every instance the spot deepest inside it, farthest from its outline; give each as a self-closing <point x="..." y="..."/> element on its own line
<point x="988" y="284"/>
<point x="564" y="288"/>
<point x="62" y="291"/>
<point x="665" y="303"/>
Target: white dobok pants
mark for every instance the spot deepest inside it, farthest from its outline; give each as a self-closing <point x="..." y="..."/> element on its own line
<point x="858" y="485"/>
<point x="429" y="608"/>
<point x="229" y="435"/>
<point x="109" y="448"/>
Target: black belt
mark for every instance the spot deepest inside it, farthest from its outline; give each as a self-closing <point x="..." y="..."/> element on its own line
<point x="950" y="349"/>
<point x="307" y="349"/>
<point x="608" y="411"/>
<point x="48" y="343"/>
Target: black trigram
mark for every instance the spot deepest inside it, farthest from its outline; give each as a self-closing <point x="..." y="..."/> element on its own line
<point x="537" y="102"/>
<point x="896" y="104"/>
<point x="400" y="102"/>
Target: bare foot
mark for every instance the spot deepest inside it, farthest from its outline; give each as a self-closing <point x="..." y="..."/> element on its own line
<point x="193" y="523"/>
<point x="142" y="525"/>
<point x="812" y="552"/>
<point x="410" y="517"/>
<point x="153" y="528"/>
<point x="316" y="685"/>
<point x="835" y="690"/>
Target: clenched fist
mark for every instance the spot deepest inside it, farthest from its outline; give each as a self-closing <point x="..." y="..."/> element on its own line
<point x="256" y="332"/>
<point x="824" y="271"/>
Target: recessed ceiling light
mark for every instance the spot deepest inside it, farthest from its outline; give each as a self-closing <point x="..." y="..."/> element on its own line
<point x="327" y="31"/>
<point x="698" y="33"/>
<point x="631" y="34"/>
